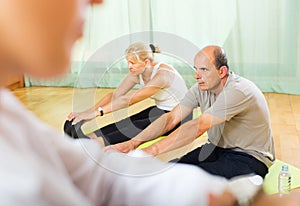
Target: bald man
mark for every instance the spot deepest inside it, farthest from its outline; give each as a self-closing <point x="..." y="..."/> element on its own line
<point x="234" y="114"/>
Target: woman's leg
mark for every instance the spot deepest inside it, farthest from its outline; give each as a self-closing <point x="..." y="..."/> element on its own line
<point x="123" y="130"/>
<point x="129" y="127"/>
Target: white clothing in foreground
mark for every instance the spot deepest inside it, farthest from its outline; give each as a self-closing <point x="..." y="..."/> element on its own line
<point x="41" y="167"/>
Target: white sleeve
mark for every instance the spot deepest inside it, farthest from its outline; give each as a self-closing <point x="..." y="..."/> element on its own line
<point x="147" y="181"/>
<point x="172" y="184"/>
<point x="40" y="167"/>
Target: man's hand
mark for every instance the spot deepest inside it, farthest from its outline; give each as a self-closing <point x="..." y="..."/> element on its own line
<point x="123" y="147"/>
<point x="151" y="150"/>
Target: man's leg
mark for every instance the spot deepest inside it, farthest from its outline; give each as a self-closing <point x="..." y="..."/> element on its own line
<point x="224" y="162"/>
<point x="232" y="163"/>
<point x="208" y="152"/>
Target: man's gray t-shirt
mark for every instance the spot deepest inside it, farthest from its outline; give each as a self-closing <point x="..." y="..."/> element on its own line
<point x="247" y="125"/>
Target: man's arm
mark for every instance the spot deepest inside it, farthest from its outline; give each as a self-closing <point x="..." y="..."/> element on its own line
<point x="185" y="134"/>
<point x="159" y="127"/>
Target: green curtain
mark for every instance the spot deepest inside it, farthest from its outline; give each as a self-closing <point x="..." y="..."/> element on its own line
<point x="261" y="38"/>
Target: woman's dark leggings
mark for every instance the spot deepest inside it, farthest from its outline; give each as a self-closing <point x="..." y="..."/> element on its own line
<point x="128" y="128"/>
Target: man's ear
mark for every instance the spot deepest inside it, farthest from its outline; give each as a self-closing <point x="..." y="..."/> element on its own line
<point x="223" y="71"/>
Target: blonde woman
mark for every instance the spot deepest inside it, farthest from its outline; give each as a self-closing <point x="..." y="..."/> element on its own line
<point x="159" y="81"/>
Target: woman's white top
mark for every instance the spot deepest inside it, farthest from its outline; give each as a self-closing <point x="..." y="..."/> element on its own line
<point x="168" y="98"/>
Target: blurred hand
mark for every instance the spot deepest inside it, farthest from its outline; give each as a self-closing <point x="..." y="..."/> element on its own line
<point x="292" y="199"/>
<point x="226" y="198"/>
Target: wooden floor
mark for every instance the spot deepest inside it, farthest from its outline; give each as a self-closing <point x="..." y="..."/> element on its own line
<point x="53" y="104"/>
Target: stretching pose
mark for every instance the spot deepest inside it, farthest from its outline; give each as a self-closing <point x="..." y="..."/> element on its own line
<point x="159" y="81"/>
<point x="235" y="115"/>
<point x="58" y="171"/>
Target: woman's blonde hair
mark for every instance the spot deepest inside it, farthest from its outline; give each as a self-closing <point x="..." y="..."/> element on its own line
<point x="140" y="51"/>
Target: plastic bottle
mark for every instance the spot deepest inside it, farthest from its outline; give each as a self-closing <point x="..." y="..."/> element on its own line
<point x="284" y="181"/>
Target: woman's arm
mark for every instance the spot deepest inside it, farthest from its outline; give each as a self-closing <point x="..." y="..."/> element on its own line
<point x="161" y="80"/>
<point x="127" y="84"/>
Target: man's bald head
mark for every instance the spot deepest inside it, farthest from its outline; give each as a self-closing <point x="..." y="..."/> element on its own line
<point x="215" y="54"/>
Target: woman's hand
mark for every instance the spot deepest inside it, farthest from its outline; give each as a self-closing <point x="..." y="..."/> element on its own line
<point x="86" y="116"/>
